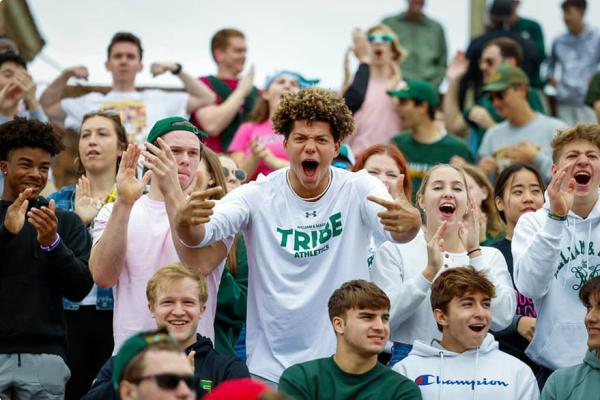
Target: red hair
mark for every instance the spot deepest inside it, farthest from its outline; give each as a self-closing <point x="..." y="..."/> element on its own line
<point x="391" y="151"/>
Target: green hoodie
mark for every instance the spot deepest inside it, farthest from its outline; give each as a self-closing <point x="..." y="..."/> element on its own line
<point x="580" y="382"/>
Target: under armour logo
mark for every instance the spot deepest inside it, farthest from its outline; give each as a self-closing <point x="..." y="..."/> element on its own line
<point x="313" y="214"/>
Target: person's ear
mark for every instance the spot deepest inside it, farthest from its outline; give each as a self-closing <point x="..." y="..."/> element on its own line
<point x="218" y="55"/>
<point x="499" y="203"/>
<point x="554" y="169"/>
<point x="338" y="325"/>
<point x="337" y="148"/>
<point x="151" y="310"/>
<point x="127" y="390"/>
<point x="202" y="311"/>
<point x="420" y="200"/>
<point x="486" y="193"/>
<point x="440" y="317"/>
<point x="4" y="167"/>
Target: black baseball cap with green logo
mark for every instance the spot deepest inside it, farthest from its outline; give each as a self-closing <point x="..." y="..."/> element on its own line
<point x="417" y="90"/>
<point x="505" y="76"/>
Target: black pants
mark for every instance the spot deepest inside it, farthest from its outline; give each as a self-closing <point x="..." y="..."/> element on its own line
<point x="90" y="340"/>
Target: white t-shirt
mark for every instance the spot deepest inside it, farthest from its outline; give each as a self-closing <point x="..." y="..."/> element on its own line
<point x="149" y="246"/>
<point x="299" y="252"/>
<point x="139" y="110"/>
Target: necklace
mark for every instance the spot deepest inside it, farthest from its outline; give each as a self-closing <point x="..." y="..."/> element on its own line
<point x="317" y="197"/>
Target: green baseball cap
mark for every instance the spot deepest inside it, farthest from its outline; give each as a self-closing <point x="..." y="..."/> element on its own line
<point x="503" y="77"/>
<point x="166" y="125"/>
<point x="417" y="90"/>
<point x="134" y="346"/>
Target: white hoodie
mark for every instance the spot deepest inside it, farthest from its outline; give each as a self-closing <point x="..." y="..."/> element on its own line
<point x="552" y="260"/>
<point x="482" y="373"/>
<point x="397" y="270"/>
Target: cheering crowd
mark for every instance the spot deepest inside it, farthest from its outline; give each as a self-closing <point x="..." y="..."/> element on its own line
<point x="383" y="240"/>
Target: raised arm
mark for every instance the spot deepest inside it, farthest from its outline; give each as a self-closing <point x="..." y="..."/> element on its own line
<point x="451" y="107"/>
<point x="161" y="162"/>
<point x="108" y="254"/>
<point x="536" y="245"/>
<point x="50" y="99"/>
<point x="200" y="94"/>
<point x="215" y="118"/>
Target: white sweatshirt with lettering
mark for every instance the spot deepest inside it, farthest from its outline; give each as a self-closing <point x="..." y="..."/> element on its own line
<point x="482" y="373"/>
<point x="299" y="252"/>
<point x="552" y="260"/>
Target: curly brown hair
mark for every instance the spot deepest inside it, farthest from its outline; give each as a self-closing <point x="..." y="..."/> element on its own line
<point x="23" y="132"/>
<point x="314" y="104"/>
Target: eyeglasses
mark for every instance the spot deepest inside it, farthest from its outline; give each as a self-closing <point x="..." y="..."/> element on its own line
<point x="239" y="174"/>
<point x="380" y="38"/>
<point x="169" y="381"/>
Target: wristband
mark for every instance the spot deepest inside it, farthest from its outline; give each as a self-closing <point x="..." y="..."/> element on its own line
<point x="473" y="251"/>
<point x="189" y="246"/>
<point x="177" y="69"/>
<point x="53" y="245"/>
<point x="556" y="217"/>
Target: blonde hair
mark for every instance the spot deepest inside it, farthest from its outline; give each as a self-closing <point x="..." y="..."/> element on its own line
<point x="425" y="180"/>
<point x="588" y="132"/>
<point x="167" y="274"/>
<point x="399" y="52"/>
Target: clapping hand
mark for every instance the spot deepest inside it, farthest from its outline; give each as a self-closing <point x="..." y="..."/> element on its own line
<point x="130" y="188"/>
<point x="85" y="205"/>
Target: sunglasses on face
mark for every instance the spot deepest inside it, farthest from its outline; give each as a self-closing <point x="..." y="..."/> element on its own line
<point x="239" y="174"/>
<point x="169" y="381"/>
<point x="499" y="95"/>
<point x="380" y="38"/>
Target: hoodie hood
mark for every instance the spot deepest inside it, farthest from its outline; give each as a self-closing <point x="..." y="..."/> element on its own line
<point x="591" y="359"/>
<point x="423" y="350"/>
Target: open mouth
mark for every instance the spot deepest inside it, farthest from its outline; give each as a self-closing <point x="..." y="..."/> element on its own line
<point x="528" y="209"/>
<point x="582" y="177"/>
<point x="92" y="153"/>
<point x="178" y="323"/>
<point x="378" y="52"/>
<point x="310" y="167"/>
<point x="447" y="209"/>
<point x="477" y="327"/>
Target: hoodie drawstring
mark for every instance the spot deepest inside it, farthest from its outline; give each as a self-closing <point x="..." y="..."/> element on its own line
<point x="475" y="373"/>
<point x="441" y="353"/>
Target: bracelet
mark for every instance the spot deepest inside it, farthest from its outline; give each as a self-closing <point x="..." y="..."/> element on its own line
<point x="53" y="245"/>
<point x="177" y="69"/>
<point x="556" y="217"/>
<point x="473" y="251"/>
<point x="189" y="246"/>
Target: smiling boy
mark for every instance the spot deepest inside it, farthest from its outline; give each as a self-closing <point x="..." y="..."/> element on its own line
<point x="467" y="362"/>
<point x="555" y="250"/>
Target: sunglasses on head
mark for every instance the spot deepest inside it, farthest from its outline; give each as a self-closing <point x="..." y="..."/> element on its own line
<point x="380" y="38"/>
<point x="169" y="381"/>
<point x="239" y="174"/>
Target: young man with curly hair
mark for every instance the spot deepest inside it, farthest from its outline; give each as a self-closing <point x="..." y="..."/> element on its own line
<point x="45" y="254"/>
<point x="307" y="228"/>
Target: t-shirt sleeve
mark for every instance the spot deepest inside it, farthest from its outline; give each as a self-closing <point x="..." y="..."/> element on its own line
<point x="242" y="138"/>
<point x="100" y="222"/>
<point x="293" y="384"/>
<point x="368" y="185"/>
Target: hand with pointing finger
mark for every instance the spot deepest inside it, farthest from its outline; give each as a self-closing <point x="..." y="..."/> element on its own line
<point x="400" y="217"/>
<point x="15" y="213"/>
<point x="198" y="207"/>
